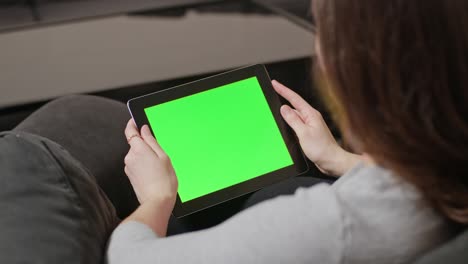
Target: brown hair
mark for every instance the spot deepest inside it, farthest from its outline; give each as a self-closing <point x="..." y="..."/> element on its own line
<point x="399" y="72"/>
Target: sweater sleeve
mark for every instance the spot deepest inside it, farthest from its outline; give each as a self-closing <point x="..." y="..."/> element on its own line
<point x="302" y="228"/>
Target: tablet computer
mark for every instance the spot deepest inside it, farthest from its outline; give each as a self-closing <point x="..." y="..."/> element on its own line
<point x="224" y="135"/>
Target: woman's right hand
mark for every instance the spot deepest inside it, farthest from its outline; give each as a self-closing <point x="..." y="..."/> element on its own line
<point x="148" y="167"/>
<point x="315" y="137"/>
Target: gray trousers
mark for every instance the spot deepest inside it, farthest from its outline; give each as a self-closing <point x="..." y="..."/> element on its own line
<point x="91" y="129"/>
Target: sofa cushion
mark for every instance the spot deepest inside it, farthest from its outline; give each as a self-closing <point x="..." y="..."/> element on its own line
<point x="52" y="209"/>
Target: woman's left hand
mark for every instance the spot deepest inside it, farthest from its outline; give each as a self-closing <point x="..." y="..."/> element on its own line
<point x="149" y="168"/>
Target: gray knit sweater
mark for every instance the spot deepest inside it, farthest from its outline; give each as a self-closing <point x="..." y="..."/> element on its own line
<point x="367" y="216"/>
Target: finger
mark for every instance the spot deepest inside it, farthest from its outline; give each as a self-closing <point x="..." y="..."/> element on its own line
<point x="292" y="97"/>
<point x="131" y="129"/>
<point x="151" y="141"/>
<point x="293" y="120"/>
<point x="134" y="139"/>
<point x="300" y="115"/>
<point x="129" y="158"/>
<point x="127" y="171"/>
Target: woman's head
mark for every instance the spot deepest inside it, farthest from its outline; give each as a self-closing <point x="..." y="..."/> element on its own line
<point x="398" y="71"/>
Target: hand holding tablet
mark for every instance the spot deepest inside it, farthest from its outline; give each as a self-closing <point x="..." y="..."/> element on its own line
<point x="224" y="135"/>
<point x="142" y="161"/>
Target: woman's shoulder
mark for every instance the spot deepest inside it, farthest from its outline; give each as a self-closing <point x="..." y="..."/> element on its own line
<point x="385" y="217"/>
<point x="364" y="180"/>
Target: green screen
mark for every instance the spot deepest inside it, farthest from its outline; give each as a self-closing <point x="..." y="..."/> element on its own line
<point x="219" y="137"/>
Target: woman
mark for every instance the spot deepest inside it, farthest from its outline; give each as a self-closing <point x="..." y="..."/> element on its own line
<point x="395" y="75"/>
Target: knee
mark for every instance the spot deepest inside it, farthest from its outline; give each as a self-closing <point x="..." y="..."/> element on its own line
<point x="88" y="101"/>
<point x="88" y="105"/>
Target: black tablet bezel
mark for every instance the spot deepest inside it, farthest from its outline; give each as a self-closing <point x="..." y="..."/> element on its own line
<point x="137" y="106"/>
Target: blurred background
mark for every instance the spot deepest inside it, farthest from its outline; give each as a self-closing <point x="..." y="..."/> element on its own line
<point x="122" y="49"/>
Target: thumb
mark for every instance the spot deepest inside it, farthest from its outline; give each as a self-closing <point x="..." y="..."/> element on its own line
<point x="293" y="119"/>
<point x="151" y="141"/>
